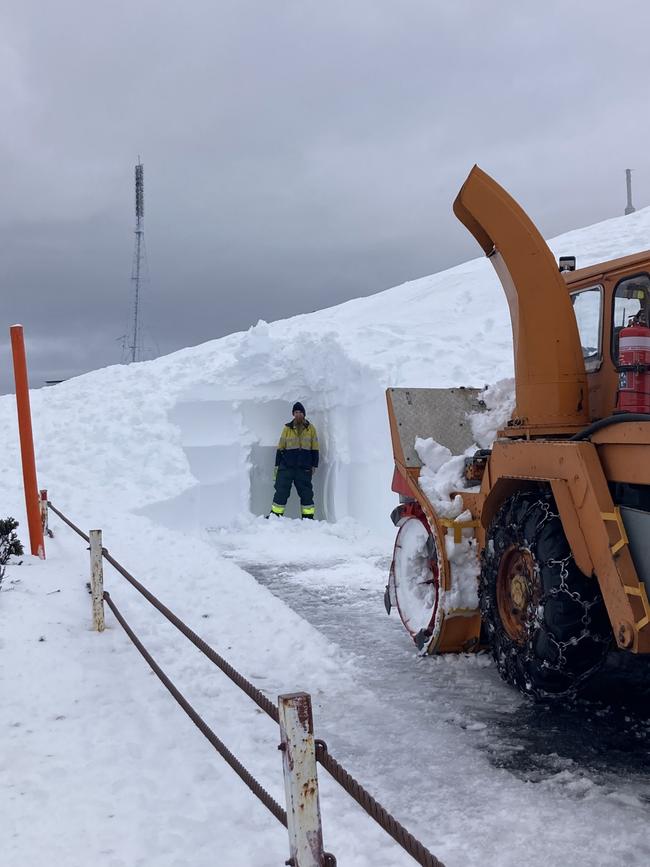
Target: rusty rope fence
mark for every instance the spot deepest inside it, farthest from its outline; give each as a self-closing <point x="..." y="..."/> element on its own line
<point x="374" y="809"/>
<point x="348" y="783"/>
<point x="258" y="790"/>
<point x="238" y="679"/>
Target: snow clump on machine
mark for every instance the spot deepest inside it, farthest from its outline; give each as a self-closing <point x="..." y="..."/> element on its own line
<point x="440" y="476"/>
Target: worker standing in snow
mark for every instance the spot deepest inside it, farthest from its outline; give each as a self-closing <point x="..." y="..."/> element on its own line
<point x="295" y="462"/>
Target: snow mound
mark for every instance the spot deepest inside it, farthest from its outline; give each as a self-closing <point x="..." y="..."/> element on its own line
<point x="189" y="439"/>
<point x="100" y="766"/>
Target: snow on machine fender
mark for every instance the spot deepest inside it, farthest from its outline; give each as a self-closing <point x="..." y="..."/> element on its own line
<point x="429" y="582"/>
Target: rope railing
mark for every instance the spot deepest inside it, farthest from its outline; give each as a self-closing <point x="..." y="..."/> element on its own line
<point x="361" y="795"/>
<point x="258" y="790"/>
<point x="245" y="685"/>
<point x="68" y="521"/>
<point x="374" y="809"/>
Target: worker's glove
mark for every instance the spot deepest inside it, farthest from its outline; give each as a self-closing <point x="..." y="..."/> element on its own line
<point x="275" y="473"/>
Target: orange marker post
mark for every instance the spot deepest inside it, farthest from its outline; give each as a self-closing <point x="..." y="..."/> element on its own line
<point x="32" y="503"/>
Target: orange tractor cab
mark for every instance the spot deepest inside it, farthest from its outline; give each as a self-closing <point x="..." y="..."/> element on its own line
<point x="543" y="550"/>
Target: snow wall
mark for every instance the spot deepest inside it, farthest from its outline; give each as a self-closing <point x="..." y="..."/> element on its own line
<point x="230" y="447"/>
<point x="189" y="439"/>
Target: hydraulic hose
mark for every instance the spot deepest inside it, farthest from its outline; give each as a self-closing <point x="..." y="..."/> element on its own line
<point x="619" y="418"/>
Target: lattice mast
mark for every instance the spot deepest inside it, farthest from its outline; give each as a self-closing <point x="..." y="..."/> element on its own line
<point x="137" y="270"/>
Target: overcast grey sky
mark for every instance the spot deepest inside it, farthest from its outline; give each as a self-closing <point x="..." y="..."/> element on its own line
<point x="296" y="153"/>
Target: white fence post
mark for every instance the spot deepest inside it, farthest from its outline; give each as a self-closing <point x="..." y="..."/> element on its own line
<point x="44" y="512"/>
<point x="97" y="579"/>
<point x="300" y="780"/>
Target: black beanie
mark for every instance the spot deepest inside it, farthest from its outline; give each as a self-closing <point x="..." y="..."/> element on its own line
<point x="298" y="406"/>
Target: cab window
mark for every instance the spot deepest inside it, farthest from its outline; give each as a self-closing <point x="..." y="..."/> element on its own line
<point x="631" y="305"/>
<point x="588" y="309"/>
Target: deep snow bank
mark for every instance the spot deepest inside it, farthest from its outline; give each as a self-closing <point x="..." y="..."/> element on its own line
<point x="189" y="439"/>
<point x="100" y="767"/>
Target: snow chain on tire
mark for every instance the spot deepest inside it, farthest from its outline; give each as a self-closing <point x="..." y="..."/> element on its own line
<point x="564" y="628"/>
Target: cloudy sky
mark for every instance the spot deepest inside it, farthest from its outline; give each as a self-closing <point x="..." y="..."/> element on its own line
<point x="296" y="153"/>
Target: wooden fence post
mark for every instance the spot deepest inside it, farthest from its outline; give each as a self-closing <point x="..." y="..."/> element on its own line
<point x="300" y="780"/>
<point x="97" y="579"/>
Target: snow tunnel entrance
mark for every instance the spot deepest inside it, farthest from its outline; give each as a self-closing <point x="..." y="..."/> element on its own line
<point x="230" y="446"/>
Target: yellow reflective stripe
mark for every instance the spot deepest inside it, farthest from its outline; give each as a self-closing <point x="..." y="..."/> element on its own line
<point x="296" y="443"/>
<point x="308" y="510"/>
<point x="306" y="439"/>
<point x="277" y="510"/>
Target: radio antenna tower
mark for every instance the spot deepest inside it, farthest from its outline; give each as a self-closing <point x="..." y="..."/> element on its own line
<point x="135" y="348"/>
<point x="630" y="209"/>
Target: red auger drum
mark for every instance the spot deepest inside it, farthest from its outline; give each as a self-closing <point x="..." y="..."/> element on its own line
<point x="634" y="369"/>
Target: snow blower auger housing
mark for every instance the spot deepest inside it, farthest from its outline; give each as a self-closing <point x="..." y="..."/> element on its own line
<point x="547" y="557"/>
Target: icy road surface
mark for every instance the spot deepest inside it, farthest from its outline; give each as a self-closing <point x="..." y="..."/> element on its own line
<point x="447" y="729"/>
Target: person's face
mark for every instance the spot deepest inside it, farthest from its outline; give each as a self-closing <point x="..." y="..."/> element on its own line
<point x="299" y="417"/>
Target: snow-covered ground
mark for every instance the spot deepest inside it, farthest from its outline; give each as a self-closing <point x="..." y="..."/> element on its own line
<point x="173" y="460"/>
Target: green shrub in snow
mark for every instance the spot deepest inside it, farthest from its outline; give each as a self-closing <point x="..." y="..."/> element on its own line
<point x="10" y="545"/>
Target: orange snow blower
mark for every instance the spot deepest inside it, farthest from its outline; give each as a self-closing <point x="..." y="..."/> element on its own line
<point x="543" y="552"/>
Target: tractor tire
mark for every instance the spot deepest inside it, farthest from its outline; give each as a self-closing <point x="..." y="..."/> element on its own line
<point x="545" y="620"/>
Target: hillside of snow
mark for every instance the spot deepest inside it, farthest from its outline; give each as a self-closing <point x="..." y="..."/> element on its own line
<point x="173" y="459"/>
<point x="189" y="439"/>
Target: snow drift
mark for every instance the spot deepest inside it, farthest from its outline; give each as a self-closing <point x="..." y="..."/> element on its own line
<point x="99" y="765"/>
<point x="189" y="439"/>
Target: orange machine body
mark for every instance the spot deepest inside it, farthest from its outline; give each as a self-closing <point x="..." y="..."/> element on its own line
<point x="564" y="431"/>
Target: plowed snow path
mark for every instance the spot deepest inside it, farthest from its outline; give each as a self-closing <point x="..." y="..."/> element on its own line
<point x="442" y="741"/>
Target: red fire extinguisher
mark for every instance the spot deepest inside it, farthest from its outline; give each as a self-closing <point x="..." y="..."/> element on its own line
<point x="634" y="369"/>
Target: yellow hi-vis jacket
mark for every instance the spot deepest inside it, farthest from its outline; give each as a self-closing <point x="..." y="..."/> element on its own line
<point x="298" y="446"/>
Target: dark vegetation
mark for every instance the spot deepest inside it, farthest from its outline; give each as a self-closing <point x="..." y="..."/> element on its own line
<point x="10" y="545"/>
